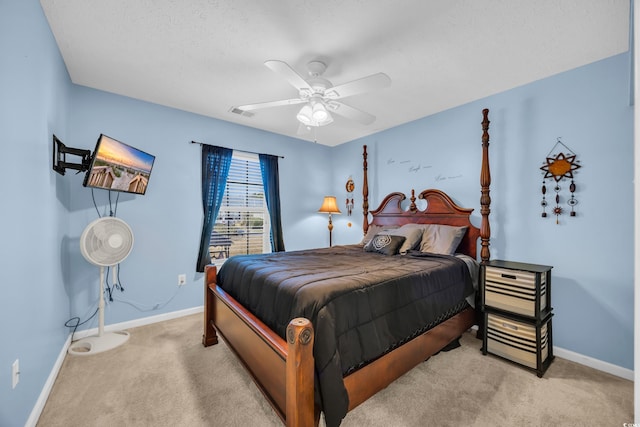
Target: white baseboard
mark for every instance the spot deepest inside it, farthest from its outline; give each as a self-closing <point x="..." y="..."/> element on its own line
<point x="48" y="385"/>
<point x="140" y="322"/>
<point x="590" y="362"/>
<point x="600" y="365"/>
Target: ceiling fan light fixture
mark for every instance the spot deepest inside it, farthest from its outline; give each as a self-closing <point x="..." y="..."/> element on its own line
<point x="320" y="113"/>
<point x="314" y="116"/>
<point x="326" y="121"/>
<point x="305" y="115"/>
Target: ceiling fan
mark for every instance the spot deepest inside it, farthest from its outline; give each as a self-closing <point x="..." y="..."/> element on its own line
<point x="319" y="96"/>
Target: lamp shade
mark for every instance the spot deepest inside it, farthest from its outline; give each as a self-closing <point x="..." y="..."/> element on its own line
<point x="329" y="205"/>
<point x="320" y="114"/>
<point x="304" y="116"/>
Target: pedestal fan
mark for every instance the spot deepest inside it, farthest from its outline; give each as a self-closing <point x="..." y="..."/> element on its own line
<point x="105" y="242"/>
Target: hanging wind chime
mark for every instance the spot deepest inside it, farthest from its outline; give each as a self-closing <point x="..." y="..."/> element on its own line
<point x="350" y="186"/>
<point x="559" y="165"/>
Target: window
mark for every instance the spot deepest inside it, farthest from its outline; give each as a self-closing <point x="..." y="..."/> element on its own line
<point x="242" y="225"/>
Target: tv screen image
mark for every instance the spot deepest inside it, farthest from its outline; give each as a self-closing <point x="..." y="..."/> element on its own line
<point x="119" y="167"/>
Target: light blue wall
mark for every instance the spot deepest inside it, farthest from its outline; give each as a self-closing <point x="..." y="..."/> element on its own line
<point x="34" y="101"/>
<point x="592" y="253"/>
<point x="47" y="281"/>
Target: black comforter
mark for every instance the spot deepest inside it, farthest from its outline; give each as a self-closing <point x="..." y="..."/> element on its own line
<point x="361" y="304"/>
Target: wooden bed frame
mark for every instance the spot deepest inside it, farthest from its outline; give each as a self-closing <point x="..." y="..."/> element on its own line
<point x="284" y="369"/>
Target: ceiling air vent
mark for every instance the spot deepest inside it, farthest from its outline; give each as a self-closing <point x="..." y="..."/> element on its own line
<point x="241" y="112"/>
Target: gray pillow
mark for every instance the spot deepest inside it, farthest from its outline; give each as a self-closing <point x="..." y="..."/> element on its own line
<point x="385" y="244"/>
<point x="441" y="239"/>
<point x="412" y="235"/>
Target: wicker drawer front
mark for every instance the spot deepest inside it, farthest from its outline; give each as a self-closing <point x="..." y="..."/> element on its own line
<point x="516" y="340"/>
<point x="514" y="290"/>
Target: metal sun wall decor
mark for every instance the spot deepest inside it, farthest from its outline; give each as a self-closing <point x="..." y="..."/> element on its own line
<point x="559" y="165"/>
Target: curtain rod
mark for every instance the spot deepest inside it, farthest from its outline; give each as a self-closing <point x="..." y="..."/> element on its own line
<point x="244" y="151"/>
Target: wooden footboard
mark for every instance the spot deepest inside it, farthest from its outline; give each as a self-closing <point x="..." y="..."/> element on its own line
<point x="284" y="370"/>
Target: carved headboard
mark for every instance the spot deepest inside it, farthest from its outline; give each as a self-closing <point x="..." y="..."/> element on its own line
<point x="440" y="209"/>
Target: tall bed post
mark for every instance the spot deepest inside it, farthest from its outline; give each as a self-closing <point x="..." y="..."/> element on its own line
<point x="365" y="192"/>
<point x="485" y="182"/>
<point x="210" y="336"/>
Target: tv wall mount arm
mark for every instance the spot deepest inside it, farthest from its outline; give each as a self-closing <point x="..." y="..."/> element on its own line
<point x="60" y="152"/>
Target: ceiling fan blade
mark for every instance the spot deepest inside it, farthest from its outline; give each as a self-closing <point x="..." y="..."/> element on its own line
<point x="250" y="107"/>
<point x="292" y="76"/>
<point x="351" y="113"/>
<point x="355" y="87"/>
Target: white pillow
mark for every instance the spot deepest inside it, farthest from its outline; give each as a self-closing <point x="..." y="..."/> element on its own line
<point x="441" y="239"/>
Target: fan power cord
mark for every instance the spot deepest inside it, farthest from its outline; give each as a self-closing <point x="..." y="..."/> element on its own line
<point x="112" y="210"/>
<point x="95" y="205"/>
<point x="108" y="288"/>
<point x="77" y="323"/>
<point x="141" y="307"/>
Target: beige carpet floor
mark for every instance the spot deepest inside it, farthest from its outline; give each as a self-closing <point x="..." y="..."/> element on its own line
<point x="163" y="376"/>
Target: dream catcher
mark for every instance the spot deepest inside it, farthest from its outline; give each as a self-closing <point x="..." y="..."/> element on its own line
<point x="350" y="186"/>
<point x="559" y="165"/>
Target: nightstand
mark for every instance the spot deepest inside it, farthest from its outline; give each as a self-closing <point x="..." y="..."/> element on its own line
<point x="516" y="304"/>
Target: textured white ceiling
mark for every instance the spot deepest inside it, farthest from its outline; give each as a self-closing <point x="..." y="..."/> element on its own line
<point x="206" y="56"/>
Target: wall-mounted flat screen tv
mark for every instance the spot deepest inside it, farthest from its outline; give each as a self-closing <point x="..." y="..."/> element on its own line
<point x="119" y="167"/>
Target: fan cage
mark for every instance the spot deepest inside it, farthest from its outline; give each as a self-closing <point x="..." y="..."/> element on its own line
<point x="106" y="241"/>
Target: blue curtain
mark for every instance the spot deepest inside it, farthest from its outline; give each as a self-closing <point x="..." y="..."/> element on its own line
<point x="271" y="183"/>
<point x="215" y="169"/>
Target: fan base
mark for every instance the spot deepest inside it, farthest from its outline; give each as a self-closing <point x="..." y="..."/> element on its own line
<point x="98" y="343"/>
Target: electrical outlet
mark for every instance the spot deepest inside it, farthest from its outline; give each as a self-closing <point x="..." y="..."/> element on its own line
<point x="15" y="373"/>
<point x="182" y="279"/>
